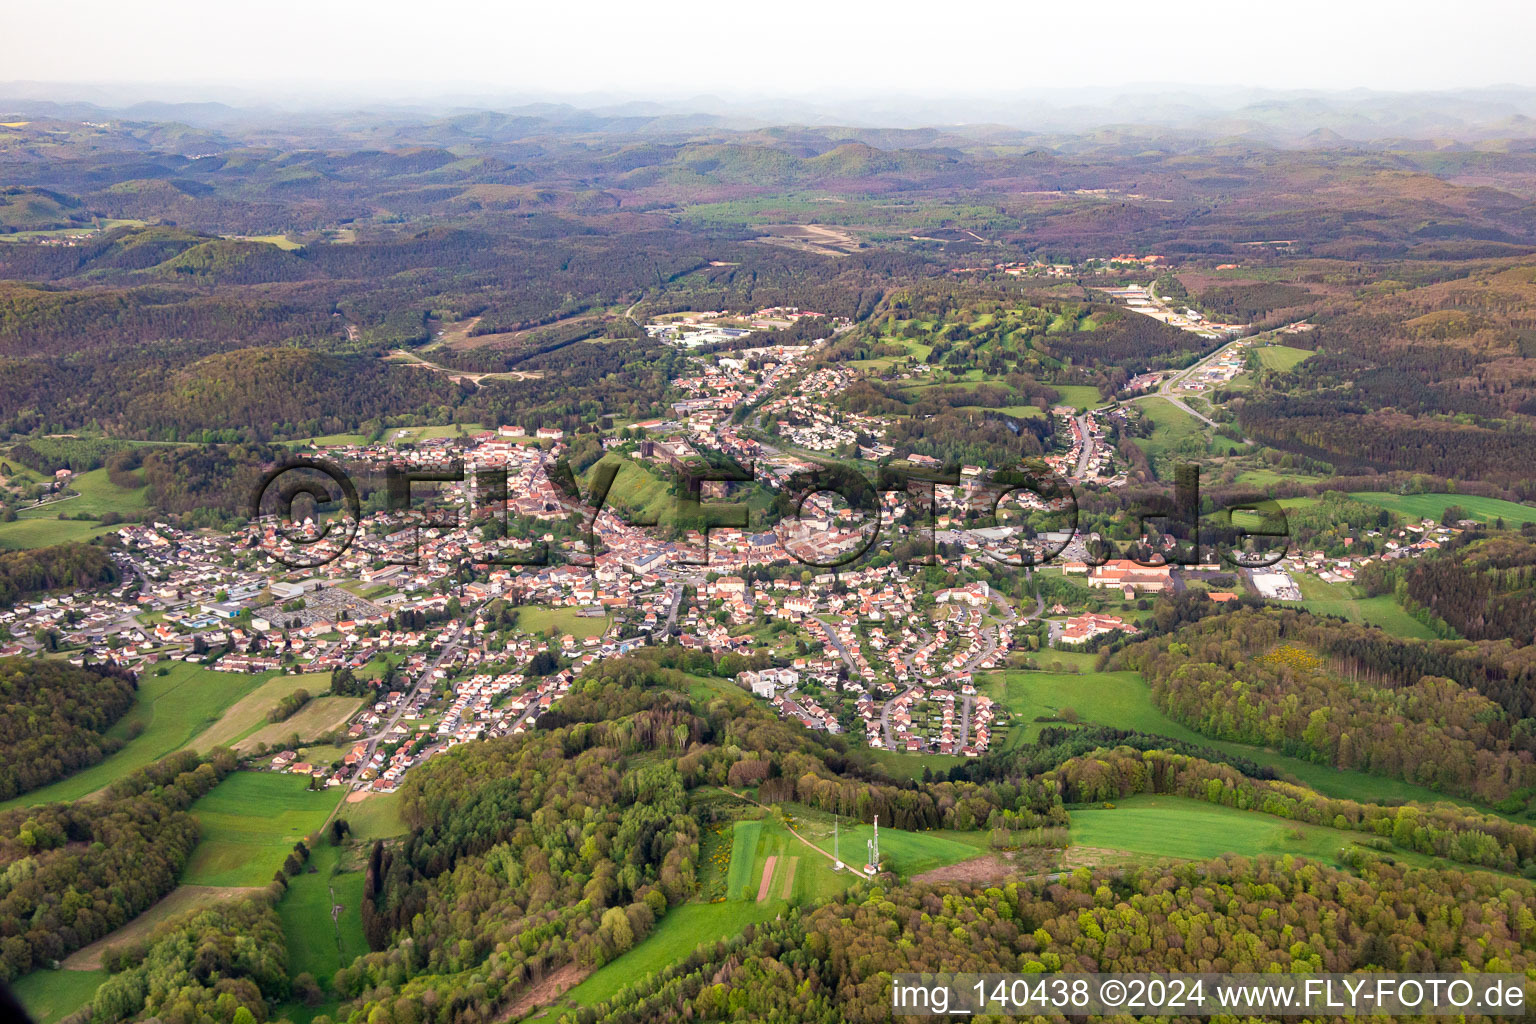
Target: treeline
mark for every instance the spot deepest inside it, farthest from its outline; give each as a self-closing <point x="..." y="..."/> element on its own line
<point x="1055" y="745"/>
<point x="69" y="566"/>
<point x="71" y="873"/>
<point x="53" y="717"/>
<point x="1266" y="677"/>
<point x="833" y="964"/>
<point x="289" y="706"/>
<point x="1483" y="586"/>
<point x="1440" y="830"/>
<point x="208" y="965"/>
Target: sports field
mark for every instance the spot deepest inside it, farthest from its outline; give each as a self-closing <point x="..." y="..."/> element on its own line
<point x="249" y="824"/>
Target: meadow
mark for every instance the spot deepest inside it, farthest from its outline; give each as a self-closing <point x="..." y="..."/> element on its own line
<point x="376" y="816"/>
<point x="1281" y="357"/>
<point x="1346" y="602"/>
<point x="249" y="824"/>
<point x="674" y="937"/>
<point x="170" y="710"/>
<point x="42" y="532"/>
<point x="181" y="900"/>
<point x="1433" y="506"/>
<point x="1155" y="827"/>
<point x="317" y="942"/>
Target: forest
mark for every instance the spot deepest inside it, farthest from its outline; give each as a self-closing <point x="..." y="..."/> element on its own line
<point x="75" y="872"/>
<point x="53" y="717"/>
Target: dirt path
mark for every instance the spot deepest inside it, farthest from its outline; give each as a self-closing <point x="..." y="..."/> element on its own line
<point x="767" y="882"/>
<point x="788" y="888"/>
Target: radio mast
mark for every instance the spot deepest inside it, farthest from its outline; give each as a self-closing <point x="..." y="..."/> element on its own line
<point x="874" y="850"/>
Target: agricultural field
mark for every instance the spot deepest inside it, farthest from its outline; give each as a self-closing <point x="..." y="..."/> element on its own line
<point x="1433" y="506"/>
<point x="320" y="717"/>
<point x="533" y="619"/>
<point x="249" y="824"/>
<point x="1079" y="396"/>
<point x="171" y="710"/>
<point x="249" y="714"/>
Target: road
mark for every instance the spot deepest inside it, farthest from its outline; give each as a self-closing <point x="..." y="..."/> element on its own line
<point x="448" y="653"/>
<point x="1088" y="446"/>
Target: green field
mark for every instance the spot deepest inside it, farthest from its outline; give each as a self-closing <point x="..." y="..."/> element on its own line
<point x="1433" y="506"/>
<point x="249" y="713"/>
<point x="249" y="824"/>
<point x="908" y="853"/>
<point x="1344" y="600"/>
<point x="1170" y="826"/>
<point x="1123" y="700"/>
<point x="377" y="816"/>
<point x="97" y="495"/>
<point x="673" y="938"/>
<point x="41" y="532"/>
<point x="743" y="860"/>
<point x="317" y="943"/>
<point x="1079" y="396"/>
<point x="1174" y="431"/>
<point x="171" y="709"/>
<point x="1281" y="357"/>
<point x="50" y="995"/>
<point x="533" y="619"/>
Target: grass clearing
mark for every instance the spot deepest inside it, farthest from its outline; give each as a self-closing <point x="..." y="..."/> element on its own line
<point x="249" y="824"/>
<point x="97" y="495"/>
<point x="322" y="938"/>
<point x="376" y="816"/>
<point x="1079" y="396"/>
<point x="674" y="937"/>
<point x="43" y="532"/>
<point x="1157" y="827"/>
<point x="1281" y="357"/>
<point x="171" y="710"/>
<point x="52" y="995"/>
<point x="1123" y="700"/>
<point x="1343" y="600"/>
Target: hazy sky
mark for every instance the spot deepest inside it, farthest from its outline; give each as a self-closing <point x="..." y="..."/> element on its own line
<point x="796" y="48"/>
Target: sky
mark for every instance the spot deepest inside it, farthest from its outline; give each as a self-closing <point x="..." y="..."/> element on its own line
<point x="389" y="49"/>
